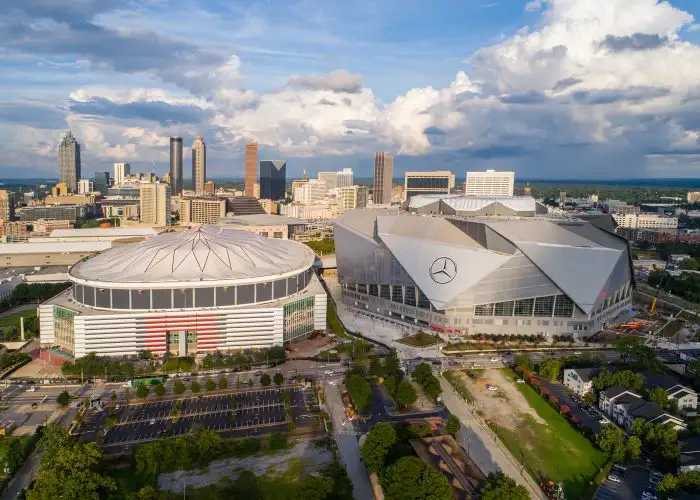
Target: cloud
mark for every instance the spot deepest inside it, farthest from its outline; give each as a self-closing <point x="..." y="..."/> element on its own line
<point x="34" y="115"/>
<point x="157" y="111"/>
<point x="633" y="95"/>
<point x="565" y="84"/>
<point x="340" y="80"/>
<point x="635" y="42"/>
<point x="530" y="97"/>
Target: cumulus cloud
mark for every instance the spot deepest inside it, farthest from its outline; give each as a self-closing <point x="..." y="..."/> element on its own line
<point x="340" y="80"/>
<point x="636" y="41"/>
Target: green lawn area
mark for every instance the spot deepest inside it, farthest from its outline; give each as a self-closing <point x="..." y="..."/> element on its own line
<point x="12" y="319"/>
<point x="555" y="450"/>
<point x="421" y="339"/>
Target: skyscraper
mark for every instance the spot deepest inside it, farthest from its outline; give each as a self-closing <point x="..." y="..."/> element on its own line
<point x="101" y="182"/>
<point x="344" y="178"/>
<point x="121" y="172"/>
<point x="383" y="175"/>
<point x="7" y="205"/>
<point x="489" y="183"/>
<point x="330" y="178"/>
<point x="199" y="164"/>
<point x="273" y="177"/>
<point x="251" y="167"/>
<point x="154" y="204"/>
<point x="176" y="166"/>
<point x="69" y="162"/>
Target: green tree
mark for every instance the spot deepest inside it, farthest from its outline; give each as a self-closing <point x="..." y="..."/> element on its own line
<point x="390" y="385"/>
<point x="406" y="394"/>
<point x="144" y="354"/>
<point x="377" y="444"/>
<point x="179" y="387"/>
<point x="113" y="396"/>
<point x="278" y="379"/>
<point x="265" y="380"/>
<point x="549" y="369"/>
<point x="424" y="376"/>
<point x="633" y="447"/>
<point x="452" y="425"/>
<point x="589" y="398"/>
<point x="501" y="487"/>
<point x="159" y="389"/>
<point x="690" y="265"/>
<point x="209" y="385"/>
<point x="223" y="383"/>
<point x="612" y="441"/>
<point x="658" y="395"/>
<point x="376" y="368"/>
<point x="667" y="486"/>
<point x="250" y="382"/>
<point x="392" y="366"/>
<point x="277" y="441"/>
<point x="63" y="398"/>
<point x="312" y="488"/>
<point x="359" y="392"/>
<point x="142" y="391"/>
<point x="411" y="474"/>
<point x="195" y="387"/>
<point x="525" y="361"/>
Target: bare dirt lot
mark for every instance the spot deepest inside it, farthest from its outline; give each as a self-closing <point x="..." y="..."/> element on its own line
<point x="505" y="406"/>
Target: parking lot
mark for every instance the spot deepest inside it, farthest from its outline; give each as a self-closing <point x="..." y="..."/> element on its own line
<point x="630" y="486"/>
<point x="240" y="413"/>
<point x="589" y="416"/>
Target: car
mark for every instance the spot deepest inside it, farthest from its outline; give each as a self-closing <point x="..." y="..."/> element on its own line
<point x="116" y="408"/>
<point x="186" y="379"/>
<point x="153" y="421"/>
<point x="491" y="388"/>
<point x="332" y="382"/>
<point x="329" y="372"/>
<point x="321" y="366"/>
<point x="577" y="353"/>
<point x="494" y="360"/>
<point x="31" y="389"/>
<point x="481" y="354"/>
<point x="258" y="373"/>
<point x="614" y="478"/>
<point x="519" y="381"/>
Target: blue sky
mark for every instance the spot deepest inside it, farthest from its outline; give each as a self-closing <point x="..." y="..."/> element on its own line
<point x="551" y="89"/>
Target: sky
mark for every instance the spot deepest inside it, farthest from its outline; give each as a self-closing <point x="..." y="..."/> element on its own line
<point x="552" y="89"/>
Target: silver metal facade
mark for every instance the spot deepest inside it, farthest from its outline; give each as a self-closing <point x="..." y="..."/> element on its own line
<point x="69" y="162"/>
<point x="175" y="166"/>
<point x="510" y="276"/>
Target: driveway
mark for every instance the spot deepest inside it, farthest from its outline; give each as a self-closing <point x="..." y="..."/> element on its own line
<point x="634" y="481"/>
<point x="564" y="395"/>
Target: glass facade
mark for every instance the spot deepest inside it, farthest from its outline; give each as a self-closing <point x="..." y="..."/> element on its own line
<point x="64" y="330"/>
<point x="273" y="177"/>
<point x="298" y="319"/>
<point x="440" y="183"/>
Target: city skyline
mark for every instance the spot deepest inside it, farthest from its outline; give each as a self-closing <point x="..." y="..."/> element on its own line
<point x="605" y="90"/>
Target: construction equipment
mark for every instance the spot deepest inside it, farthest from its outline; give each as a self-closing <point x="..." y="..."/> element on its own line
<point x="652" y="307"/>
<point x="552" y="490"/>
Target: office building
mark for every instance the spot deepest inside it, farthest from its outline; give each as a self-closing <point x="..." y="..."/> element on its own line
<point x="311" y="191"/>
<point x="70" y="199"/>
<point x="383" y="178"/>
<point x="352" y="197"/>
<point x="311" y="212"/>
<point x="489" y="183"/>
<point x="14" y="231"/>
<point x="154" y="204"/>
<point x="693" y="197"/>
<point x="187" y="293"/>
<point x="176" y="166"/>
<point x="645" y="221"/>
<point x="201" y="210"/>
<point x="69" y="162"/>
<point x="438" y="182"/>
<point x="266" y="225"/>
<point x="100" y="182"/>
<point x="251" y="168"/>
<point x="330" y="178"/>
<point x="7" y="205"/>
<point x="344" y="178"/>
<point x="273" y="178"/>
<point x="122" y="171"/>
<point x="209" y="187"/>
<point x="46" y="226"/>
<point x="199" y="165"/>
<point x="127" y="209"/>
<point x="60" y="212"/>
<point x="85" y="186"/>
<point x="244" y="205"/>
<point x="499" y="276"/>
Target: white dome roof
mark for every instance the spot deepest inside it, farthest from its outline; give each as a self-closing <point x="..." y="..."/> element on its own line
<point x="206" y="253"/>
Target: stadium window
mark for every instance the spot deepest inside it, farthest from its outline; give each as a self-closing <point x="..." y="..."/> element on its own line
<point x="563" y="307"/>
<point x="503" y="308"/>
<point x="410" y="296"/>
<point x="397" y="294"/>
<point x="374" y="290"/>
<point x="361" y="288"/>
<point x="483" y="310"/>
<point x="384" y="292"/>
<point x="423" y="301"/>
<point x="523" y="307"/>
<point x="544" y="306"/>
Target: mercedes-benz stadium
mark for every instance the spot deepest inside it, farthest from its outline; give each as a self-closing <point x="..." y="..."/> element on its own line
<point x="500" y="275"/>
<point x="201" y="290"/>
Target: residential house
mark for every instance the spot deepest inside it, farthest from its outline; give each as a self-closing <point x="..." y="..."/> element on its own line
<point x="625" y="406"/>
<point x="685" y="397"/>
<point x="580" y="380"/>
<point x="689" y="459"/>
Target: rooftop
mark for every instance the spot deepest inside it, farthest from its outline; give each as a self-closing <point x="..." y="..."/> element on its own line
<point x="54" y="247"/>
<point x="95" y="232"/>
<point x="261" y="220"/>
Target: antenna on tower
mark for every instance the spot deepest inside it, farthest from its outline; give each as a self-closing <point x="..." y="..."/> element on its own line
<point x="153" y="167"/>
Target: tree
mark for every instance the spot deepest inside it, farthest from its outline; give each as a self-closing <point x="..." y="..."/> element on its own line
<point x="278" y="379"/>
<point x="179" y="387"/>
<point x="633" y="448"/>
<point x="359" y="391"/>
<point x="390" y="385"/>
<point x="210" y="385"/>
<point x="195" y="387"/>
<point x="63" y="398"/>
<point x="159" y="390"/>
<point x="589" y="398"/>
<point x="277" y="441"/>
<point x="667" y="486"/>
<point x="612" y="441"/>
<point x="392" y="366"/>
<point x="406" y="394"/>
<point x="377" y="444"/>
<point x="452" y="425"/>
<point x="142" y="391"/>
<point x="501" y="487"/>
<point x="549" y="369"/>
<point x="113" y="396"/>
<point x="690" y="265"/>
<point x="250" y="382"/>
<point x="144" y="354"/>
<point x="411" y="474"/>
<point x="376" y="368"/>
<point x="265" y="380"/>
<point x="223" y="383"/>
<point x="524" y="361"/>
<point x="658" y="395"/>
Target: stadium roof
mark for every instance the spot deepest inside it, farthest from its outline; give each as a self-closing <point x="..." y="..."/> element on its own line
<point x="461" y="203"/>
<point x="204" y="253"/>
<point x="261" y="220"/>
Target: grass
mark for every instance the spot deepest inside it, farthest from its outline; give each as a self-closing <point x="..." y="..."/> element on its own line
<point x="671" y="329"/>
<point x="12" y="319"/>
<point x="458" y="385"/>
<point x="421" y="339"/>
<point x="555" y="450"/>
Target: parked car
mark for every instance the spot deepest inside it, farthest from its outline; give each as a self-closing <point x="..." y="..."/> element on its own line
<point x="152" y="422"/>
<point x="491" y="388"/>
<point x="614" y="478"/>
<point x="577" y="353"/>
<point x="519" y="381"/>
<point x="31" y="389"/>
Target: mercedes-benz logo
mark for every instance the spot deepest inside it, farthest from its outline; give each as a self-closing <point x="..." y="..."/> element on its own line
<point x="443" y="270"/>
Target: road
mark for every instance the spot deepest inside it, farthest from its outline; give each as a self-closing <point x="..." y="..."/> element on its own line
<point x="482" y="446"/>
<point x="347" y="445"/>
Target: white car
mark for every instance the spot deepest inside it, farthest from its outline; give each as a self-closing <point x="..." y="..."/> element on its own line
<point x="614" y="478"/>
<point x="482" y="354"/>
<point x="31" y="389"/>
<point x="494" y="360"/>
<point x="577" y="353"/>
<point x="519" y="381"/>
<point x="491" y="388"/>
<point x="329" y="372"/>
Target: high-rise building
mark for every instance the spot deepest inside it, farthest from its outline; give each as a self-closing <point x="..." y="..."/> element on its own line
<point x="176" y="165"/>
<point x="201" y="211"/>
<point x="489" y="183"/>
<point x="199" y="165"/>
<point x="251" y="167"/>
<point x="121" y="172"/>
<point x="273" y="177"/>
<point x="438" y="182"/>
<point x="694" y="197"/>
<point x="7" y="205"/>
<point x="352" y="197"/>
<point x="330" y="178"/>
<point x="344" y="178"/>
<point x="69" y="162"/>
<point x="101" y="182"/>
<point x="154" y="204"/>
<point x="311" y="191"/>
<point x="209" y="187"/>
<point x="383" y="175"/>
<point x="166" y="177"/>
<point x="85" y="186"/>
